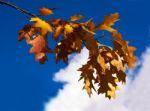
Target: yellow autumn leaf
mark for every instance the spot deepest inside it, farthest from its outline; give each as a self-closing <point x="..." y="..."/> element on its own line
<point x="68" y="29"/>
<point x="102" y="63"/>
<point x="87" y="87"/>
<point x="43" y="25"/>
<point x="105" y="27"/>
<point x="116" y="80"/>
<point x="118" y="64"/>
<point x="111" y="92"/>
<point x="57" y="32"/>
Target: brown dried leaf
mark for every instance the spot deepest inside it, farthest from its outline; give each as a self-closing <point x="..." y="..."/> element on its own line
<point x="26" y="29"/>
<point x="121" y="76"/>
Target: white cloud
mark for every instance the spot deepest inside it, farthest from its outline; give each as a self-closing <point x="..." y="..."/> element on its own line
<point x="134" y="96"/>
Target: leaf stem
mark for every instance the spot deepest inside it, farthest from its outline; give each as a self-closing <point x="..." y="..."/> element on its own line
<point x="18" y="8"/>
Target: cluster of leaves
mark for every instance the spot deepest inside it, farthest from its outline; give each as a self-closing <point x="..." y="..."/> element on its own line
<point x="105" y="66"/>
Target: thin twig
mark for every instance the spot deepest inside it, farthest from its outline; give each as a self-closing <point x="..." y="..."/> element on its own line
<point x="17" y="8"/>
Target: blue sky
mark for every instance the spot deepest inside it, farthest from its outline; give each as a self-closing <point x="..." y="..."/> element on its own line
<point x="25" y="85"/>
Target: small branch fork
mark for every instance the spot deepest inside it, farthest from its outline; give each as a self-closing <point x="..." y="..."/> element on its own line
<point x="29" y="14"/>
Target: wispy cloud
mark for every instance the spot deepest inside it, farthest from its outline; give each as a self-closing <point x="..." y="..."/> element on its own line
<point x="134" y="96"/>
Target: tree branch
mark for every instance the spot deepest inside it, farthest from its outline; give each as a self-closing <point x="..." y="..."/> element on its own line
<point x="17" y="8"/>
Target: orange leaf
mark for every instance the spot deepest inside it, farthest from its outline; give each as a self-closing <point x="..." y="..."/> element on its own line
<point x="76" y="17"/>
<point x="58" y="32"/>
<point x="131" y="58"/>
<point x="46" y="11"/>
<point x="108" y="22"/>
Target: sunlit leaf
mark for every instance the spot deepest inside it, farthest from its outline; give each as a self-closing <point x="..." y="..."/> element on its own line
<point x="43" y="25"/>
<point x="108" y="22"/>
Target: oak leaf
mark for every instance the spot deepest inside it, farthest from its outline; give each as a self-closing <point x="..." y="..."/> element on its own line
<point x="43" y="25"/>
<point x="106" y="64"/>
<point x="108" y="22"/>
<point x="39" y="47"/>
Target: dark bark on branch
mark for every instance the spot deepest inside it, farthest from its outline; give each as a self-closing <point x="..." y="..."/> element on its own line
<point x="17" y="8"/>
